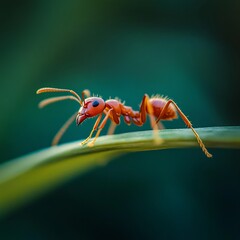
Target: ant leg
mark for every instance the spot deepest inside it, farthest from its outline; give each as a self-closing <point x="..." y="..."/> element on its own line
<point x="93" y="129"/>
<point x="160" y="125"/>
<point x="91" y="144"/>
<point x="143" y="112"/>
<point x="62" y="130"/>
<point x="187" y="122"/>
<point x="111" y="128"/>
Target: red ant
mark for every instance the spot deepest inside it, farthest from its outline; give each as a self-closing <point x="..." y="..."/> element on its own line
<point x="157" y="108"/>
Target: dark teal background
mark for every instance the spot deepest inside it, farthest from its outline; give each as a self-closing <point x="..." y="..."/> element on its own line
<point x="188" y="50"/>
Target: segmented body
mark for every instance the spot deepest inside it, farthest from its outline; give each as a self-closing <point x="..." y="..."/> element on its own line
<point x="132" y="116"/>
<point x="157" y="108"/>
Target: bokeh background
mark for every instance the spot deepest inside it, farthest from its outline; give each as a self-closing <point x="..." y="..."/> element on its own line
<point x="188" y="50"/>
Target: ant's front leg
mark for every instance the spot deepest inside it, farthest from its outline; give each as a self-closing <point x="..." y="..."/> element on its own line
<point x="102" y="125"/>
<point x="93" y="129"/>
<point x="147" y="108"/>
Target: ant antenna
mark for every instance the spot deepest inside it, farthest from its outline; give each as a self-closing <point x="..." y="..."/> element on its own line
<point x="86" y="93"/>
<point x="63" y="129"/>
<point x="48" y="101"/>
<point x="51" y="100"/>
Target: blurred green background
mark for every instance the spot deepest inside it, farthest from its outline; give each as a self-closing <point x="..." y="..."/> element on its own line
<point x="188" y="50"/>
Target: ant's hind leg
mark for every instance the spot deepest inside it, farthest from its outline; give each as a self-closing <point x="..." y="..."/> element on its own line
<point x="187" y="122"/>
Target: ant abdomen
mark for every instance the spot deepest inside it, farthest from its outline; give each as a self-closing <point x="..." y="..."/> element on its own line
<point x="158" y="104"/>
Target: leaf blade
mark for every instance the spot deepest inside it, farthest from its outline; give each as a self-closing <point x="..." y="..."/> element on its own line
<point x="27" y="177"/>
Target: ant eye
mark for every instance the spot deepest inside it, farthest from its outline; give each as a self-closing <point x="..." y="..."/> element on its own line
<point x="95" y="103"/>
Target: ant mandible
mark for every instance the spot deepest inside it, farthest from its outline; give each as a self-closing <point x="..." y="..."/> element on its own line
<point x="157" y="108"/>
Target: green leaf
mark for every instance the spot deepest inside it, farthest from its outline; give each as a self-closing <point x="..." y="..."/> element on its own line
<point x="27" y="177"/>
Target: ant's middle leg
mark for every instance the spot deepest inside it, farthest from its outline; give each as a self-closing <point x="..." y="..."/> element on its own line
<point x="147" y="108"/>
<point x="112" y="128"/>
<point x="160" y="125"/>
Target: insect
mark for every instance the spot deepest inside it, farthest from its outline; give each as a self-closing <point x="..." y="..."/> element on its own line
<point x="157" y="108"/>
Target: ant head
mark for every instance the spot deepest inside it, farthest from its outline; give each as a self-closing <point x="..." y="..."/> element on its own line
<point x="91" y="107"/>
